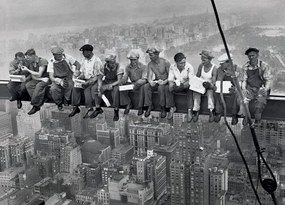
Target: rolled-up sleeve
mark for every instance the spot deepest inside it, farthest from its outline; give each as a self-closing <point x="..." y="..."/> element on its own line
<point x="171" y="74"/>
<point x="144" y="72"/>
<point x="267" y="76"/>
<point x="98" y="68"/>
<point x="50" y="66"/>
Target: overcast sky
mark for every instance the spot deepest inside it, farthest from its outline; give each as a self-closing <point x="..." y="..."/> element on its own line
<point x="32" y="14"/>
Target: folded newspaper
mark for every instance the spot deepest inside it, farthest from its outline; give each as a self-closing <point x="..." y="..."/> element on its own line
<point x="226" y="86"/>
<point x="126" y="87"/>
<point x="106" y="101"/>
<point x="78" y="83"/>
<point x="17" y="78"/>
<point x="196" y="84"/>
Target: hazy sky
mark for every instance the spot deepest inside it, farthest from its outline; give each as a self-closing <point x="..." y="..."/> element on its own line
<point x="31" y="14"/>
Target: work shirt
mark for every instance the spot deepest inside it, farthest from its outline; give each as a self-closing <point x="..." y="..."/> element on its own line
<point x="91" y="67"/>
<point x="135" y="73"/>
<point x="14" y="65"/>
<point x="264" y="73"/>
<point x="183" y="76"/>
<point x="111" y="75"/>
<point x="40" y="62"/>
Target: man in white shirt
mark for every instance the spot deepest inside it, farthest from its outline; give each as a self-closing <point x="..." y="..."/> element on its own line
<point x="178" y="79"/>
<point x="89" y="72"/>
<point x="60" y="73"/>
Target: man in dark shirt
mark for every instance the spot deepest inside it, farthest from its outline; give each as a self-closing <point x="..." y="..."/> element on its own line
<point x="40" y="79"/>
<point x="108" y="83"/>
<point x="137" y="72"/>
<point x="158" y="69"/>
<point x="17" y="89"/>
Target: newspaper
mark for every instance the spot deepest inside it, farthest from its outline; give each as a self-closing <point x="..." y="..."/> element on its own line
<point x="196" y="84"/>
<point x="17" y="78"/>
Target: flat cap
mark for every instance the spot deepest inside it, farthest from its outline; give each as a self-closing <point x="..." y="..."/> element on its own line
<point x="133" y="54"/>
<point x="250" y="50"/>
<point x="57" y="50"/>
<point x="152" y="50"/>
<point x="223" y="58"/>
<point x="86" y="47"/>
<point x="207" y="54"/>
<point x="110" y="57"/>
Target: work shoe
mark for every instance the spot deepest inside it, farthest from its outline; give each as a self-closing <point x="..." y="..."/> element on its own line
<point x="245" y="121"/>
<point x="87" y="115"/>
<point x="189" y="115"/>
<point x="217" y="117"/>
<point x="19" y="104"/>
<point x="127" y="110"/>
<point x="116" y="115"/>
<point x="34" y="110"/>
<point x="140" y="112"/>
<point x="74" y="111"/>
<point x="96" y="113"/>
<point x="234" y="119"/>
<point x="195" y="116"/>
<point x="163" y="112"/>
<point x="147" y="113"/>
<point x="171" y="112"/>
<point x="211" y="116"/>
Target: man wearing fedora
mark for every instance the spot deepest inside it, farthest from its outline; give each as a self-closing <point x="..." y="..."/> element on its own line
<point x="256" y="83"/>
<point x="91" y="66"/>
<point x="60" y="73"/>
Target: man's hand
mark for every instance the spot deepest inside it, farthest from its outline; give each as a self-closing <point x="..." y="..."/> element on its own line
<point x="160" y="82"/>
<point x="58" y="81"/>
<point x="207" y="85"/>
<point x="76" y="73"/>
<point x="85" y="84"/>
<point x="24" y="68"/>
<point x="140" y="81"/>
<point x="263" y="91"/>
<point x="152" y="83"/>
<point x="45" y="80"/>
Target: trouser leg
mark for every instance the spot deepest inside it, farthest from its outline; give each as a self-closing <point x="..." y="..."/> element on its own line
<point x="56" y="93"/>
<point x="116" y="97"/>
<point x="68" y="90"/>
<point x="76" y="96"/>
<point x="16" y="89"/>
<point x="190" y="101"/>
<point x="218" y="103"/>
<point x="95" y="95"/>
<point x="161" y="95"/>
<point x="210" y="98"/>
<point x="148" y="94"/>
<point x="197" y="101"/>
<point x="89" y="101"/>
<point x="169" y="101"/>
<point x="141" y="95"/>
<point x="38" y="96"/>
<point x="31" y="86"/>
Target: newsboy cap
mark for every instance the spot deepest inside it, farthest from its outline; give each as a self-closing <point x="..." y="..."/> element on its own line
<point x="133" y="54"/>
<point x="207" y="54"/>
<point x="223" y="58"/>
<point x="152" y="50"/>
<point x="250" y="50"/>
<point x="110" y="57"/>
<point x="86" y="47"/>
<point x="57" y="50"/>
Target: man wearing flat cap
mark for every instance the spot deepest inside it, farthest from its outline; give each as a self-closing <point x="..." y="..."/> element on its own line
<point x="256" y="82"/>
<point x="61" y="73"/>
<point x="108" y="83"/>
<point x="90" y="69"/>
<point x="208" y="72"/>
<point x="225" y="72"/>
<point x="158" y="69"/>
<point x="36" y="87"/>
<point x="137" y="73"/>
